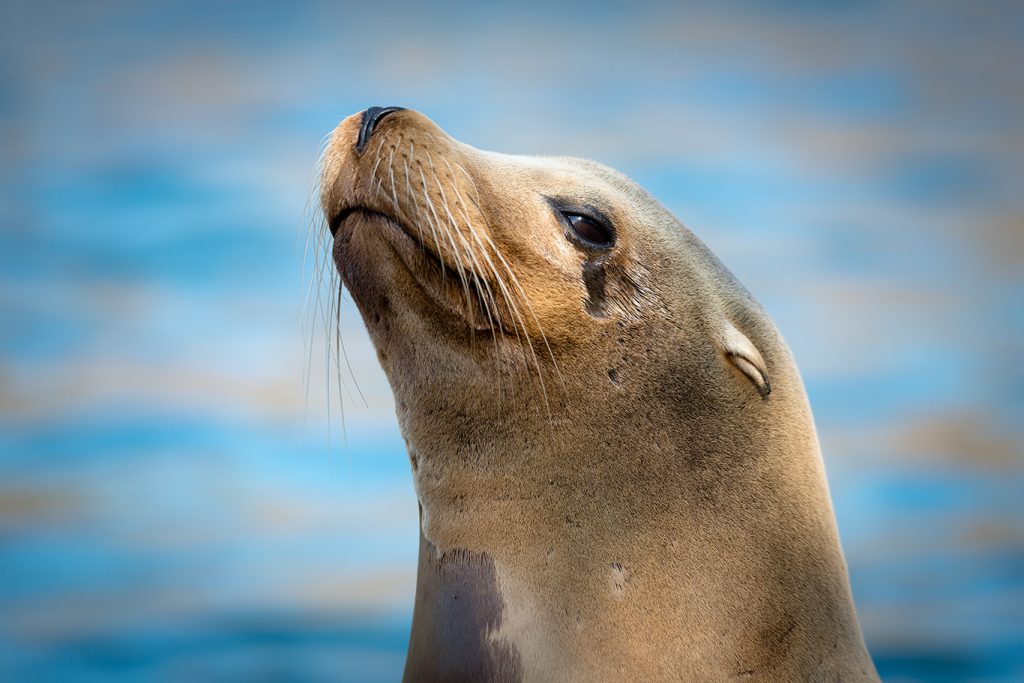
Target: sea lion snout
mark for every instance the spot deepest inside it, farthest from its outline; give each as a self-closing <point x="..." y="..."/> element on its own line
<point x="402" y="200"/>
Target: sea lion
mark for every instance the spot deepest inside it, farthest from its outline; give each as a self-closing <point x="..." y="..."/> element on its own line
<point x="616" y="463"/>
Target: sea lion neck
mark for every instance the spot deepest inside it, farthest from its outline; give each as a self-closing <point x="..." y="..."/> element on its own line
<point x="665" y="540"/>
<point x="709" y="568"/>
<point x="680" y="530"/>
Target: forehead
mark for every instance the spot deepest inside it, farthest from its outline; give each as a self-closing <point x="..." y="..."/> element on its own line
<point x="570" y="176"/>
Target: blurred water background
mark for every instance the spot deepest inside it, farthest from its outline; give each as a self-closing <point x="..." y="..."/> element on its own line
<point x="171" y="509"/>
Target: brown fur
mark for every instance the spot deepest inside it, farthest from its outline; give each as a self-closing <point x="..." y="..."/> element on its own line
<point x="614" y="456"/>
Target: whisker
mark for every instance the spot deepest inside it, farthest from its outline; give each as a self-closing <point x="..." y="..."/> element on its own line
<point x="515" y="278"/>
<point x="533" y="314"/>
<point x="507" y="295"/>
<point x="341" y="347"/>
<point x="379" y="157"/>
<point x="481" y="286"/>
<point x="486" y="257"/>
<point x="433" y="212"/>
<point x="412" y="198"/>
<point x="516" y="284"/>
<point x="324" y="312"/>
<point x="416" y="203"/>
<point x="394" y="194"/>
<point x="449" y="229"/>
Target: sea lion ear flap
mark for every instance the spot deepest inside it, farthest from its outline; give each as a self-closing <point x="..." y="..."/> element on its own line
<point x="742" y="353"/>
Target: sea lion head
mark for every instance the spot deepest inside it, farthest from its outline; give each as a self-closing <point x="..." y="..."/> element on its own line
<point x="610" y="441"/>
<point x="496" y="285"/>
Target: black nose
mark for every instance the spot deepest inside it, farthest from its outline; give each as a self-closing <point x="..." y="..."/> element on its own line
<point x="371" y="117"/>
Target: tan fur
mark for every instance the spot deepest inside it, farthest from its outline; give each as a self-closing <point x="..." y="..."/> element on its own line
<point x="629" y="490"/>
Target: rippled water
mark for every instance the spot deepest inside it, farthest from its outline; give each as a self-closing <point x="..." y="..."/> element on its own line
<point x="171" y="507"/>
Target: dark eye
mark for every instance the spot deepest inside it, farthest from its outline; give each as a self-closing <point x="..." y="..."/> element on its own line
<point x="591" y="231"/>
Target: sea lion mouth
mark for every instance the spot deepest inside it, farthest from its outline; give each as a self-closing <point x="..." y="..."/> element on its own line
<point x="367" y="212"/>
<point x="440" y="282"/>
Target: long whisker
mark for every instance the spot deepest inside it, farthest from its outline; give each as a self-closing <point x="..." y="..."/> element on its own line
<point x="514" y="280"/>
<point x="474" y="271"/>
<point x="378" y="155"/>
<point x="416" y="203"/>
<point x="522" y="323"/>
<point x="313" y="224"/>
<point x="518" y="321"/>
<point x="506" y="295"/>
<point x="533" y="314"/>
<point x="474" y="234"/>
<point x="440" y="227"/>
<point x="325" y="311"/>
<point x="412" y="197"/>
<point x="391" y="174"/>
<point x="482" y="287"/>
<point x="344" y="354"/>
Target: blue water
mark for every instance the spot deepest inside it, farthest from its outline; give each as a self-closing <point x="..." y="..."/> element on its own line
<point x="175" y="504"/>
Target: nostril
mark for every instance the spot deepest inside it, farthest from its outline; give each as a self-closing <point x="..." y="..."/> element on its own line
<point x="371" y="117"/>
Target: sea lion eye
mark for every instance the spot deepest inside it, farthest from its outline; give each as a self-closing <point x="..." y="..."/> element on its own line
<point x="591" y="231"/>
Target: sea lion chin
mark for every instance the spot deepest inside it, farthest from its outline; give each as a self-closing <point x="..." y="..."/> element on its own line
<point x="616" y="465"/>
